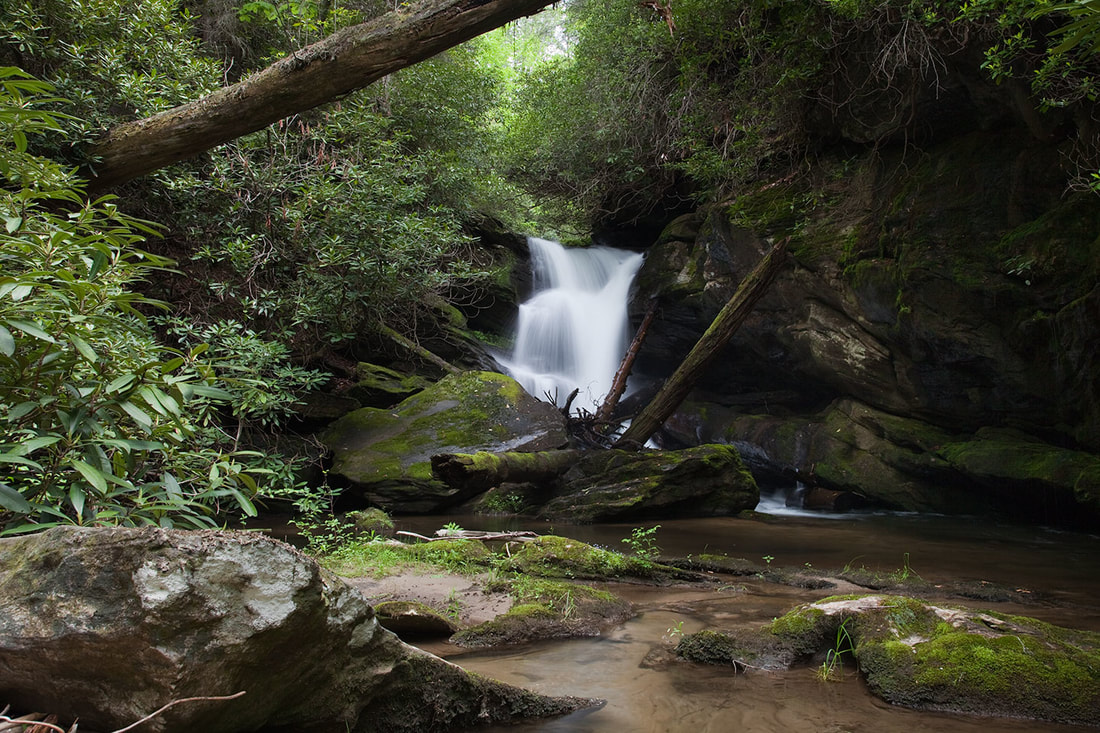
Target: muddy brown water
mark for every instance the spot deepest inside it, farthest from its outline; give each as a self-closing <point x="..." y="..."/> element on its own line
<point x="650" y="692"/>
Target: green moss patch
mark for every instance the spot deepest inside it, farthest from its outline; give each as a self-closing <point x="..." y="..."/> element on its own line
<point x="561" y="557"/>
<point x="927" y="656"/>
<point x="547" y="609"/>
<point x="385" y="453"/>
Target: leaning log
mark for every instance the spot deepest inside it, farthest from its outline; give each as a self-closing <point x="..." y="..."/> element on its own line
<point x="349" y="59"/>
<point x="482" y="471"/>
<point x="618" y="385"/>
<point x="721" y="330"/>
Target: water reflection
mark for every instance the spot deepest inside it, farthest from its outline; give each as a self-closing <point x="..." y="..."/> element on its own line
<point x="649" y="692"/>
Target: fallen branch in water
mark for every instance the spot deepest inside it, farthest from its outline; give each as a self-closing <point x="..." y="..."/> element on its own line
<point x="468" y="534"/>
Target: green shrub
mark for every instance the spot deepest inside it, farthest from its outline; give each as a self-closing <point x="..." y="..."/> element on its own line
<point x="99" y="424"/>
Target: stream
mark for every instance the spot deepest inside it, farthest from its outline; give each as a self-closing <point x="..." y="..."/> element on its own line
<point x="572" y="333"/>
<point x="648" y="691"/>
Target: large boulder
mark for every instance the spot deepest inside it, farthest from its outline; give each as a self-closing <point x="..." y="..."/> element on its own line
<point x="108" y="625"/>
<point x="385" y="454"/>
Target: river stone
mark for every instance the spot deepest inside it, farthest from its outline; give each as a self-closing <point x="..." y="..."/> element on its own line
<point x="385" y="454"/>
<point x="617" y="485"/>
<point x="926" y="656"/>
<point x="108" y="625"/>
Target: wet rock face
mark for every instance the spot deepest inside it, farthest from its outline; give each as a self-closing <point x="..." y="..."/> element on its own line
<point x="385" y="454"/>
<point x="108" y="625"/>
<point x="952" y="289"/>
<point x="904" y="463"/>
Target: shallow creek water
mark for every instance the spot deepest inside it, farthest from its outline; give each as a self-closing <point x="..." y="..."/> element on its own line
<point x="649" y="692"/>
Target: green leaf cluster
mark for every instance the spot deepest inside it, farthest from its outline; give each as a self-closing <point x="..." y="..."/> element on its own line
<point x="97" y="420"/>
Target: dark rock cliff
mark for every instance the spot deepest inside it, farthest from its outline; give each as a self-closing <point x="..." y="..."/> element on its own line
<point x="945" y="273"/>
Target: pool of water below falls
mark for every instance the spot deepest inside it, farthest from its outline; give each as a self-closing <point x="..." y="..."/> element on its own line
<point x="648" y="691"/>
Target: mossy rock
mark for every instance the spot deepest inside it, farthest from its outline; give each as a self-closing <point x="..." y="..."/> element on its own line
<point x="561" y="557"/>
<point x="379" y="386"/>
<point x="615" y="485"/>
<point x="1028" y="472"/>
<point x="928" y="656"/>
<point x="385" y="454"/>
<point x="548" y="609"/>
<point x="372" y="521"/>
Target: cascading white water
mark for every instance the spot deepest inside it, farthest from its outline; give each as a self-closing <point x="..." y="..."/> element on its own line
<point x="573" y="331"/>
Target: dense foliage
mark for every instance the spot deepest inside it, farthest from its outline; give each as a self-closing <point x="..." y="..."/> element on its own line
<point x="288" y="244"/>
<point x="99" y="424"/>
<point x="717" y="93"/>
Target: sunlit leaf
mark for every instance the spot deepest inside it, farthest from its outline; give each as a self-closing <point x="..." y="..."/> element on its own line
<point x="7" y="342"/>
<point x="91" y="474"/>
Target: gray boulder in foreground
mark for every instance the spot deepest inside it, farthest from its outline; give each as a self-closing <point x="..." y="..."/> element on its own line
<point x="109" y="624"/>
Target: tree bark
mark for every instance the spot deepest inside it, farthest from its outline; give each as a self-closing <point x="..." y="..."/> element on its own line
<point x="721" y="330"/>
<point x="348" y="60"/>
<point x="482" y="470"/>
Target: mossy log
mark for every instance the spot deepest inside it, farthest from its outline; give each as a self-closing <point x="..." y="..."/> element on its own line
<point x="721" y="330"/>
<point x="483" y="470"/>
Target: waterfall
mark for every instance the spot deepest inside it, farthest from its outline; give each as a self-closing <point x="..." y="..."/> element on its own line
<point x="574" y="329"/>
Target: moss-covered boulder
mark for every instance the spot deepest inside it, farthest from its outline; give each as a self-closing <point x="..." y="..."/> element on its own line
<point x="378" y="386"/>
<point x="928" y="656"/>
<point x="550" y="556"/>
<point x="614" y="485"/>
<point x="385" y="454"/>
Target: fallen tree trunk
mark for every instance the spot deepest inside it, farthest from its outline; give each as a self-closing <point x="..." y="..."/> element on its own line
<point x="482" y="470"/>
<point x="721" y="330"/>
<point x="349" y="59"/>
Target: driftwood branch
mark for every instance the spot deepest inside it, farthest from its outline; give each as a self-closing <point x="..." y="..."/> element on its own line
<point x="721" y="330"/>
<point x="39" y="723"/>
<point x="32" y="723"/>
<point x="467" y="534"/>
<point x="172" y="704"/>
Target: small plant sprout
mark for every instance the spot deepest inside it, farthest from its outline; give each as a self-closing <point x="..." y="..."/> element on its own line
<point x="643" y="542"/>
<point x="768" y="559"/>
<point x="450" y="529"/>
<point x="834" y="662"/>
<point x="675" y="631"/>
